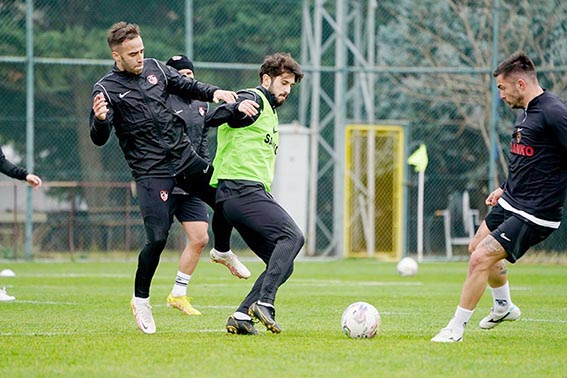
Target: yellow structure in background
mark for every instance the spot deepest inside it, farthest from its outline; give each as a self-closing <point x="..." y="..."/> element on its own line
<point x="374" y="171"/>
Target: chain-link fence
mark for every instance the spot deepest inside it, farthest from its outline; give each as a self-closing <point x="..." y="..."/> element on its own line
<point x="426" y="64"/>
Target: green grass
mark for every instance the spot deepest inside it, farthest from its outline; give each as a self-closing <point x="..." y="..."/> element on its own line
<point x="73" y="320"/>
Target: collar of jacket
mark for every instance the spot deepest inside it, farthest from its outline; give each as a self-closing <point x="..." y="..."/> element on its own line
<point x="115" y="69"/>
<point x="271" y="98"/>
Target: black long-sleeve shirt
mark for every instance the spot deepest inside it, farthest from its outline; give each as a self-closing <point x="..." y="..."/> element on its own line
<point x="537" y="179"/>
<point x="190" y="114"/>
<point x="143" y="122"/>
<point x="10" y="169"/>
<point x="229" y="113"/>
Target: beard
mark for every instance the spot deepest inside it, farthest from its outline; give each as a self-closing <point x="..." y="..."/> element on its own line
<point x="278" y="99"/>
<point x="133" y="69"/>
<point x="518" y="102"/>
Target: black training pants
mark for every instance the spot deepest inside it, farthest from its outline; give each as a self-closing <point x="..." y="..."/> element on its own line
<point x="156" y="205"/>
<point x="272" y="234"/>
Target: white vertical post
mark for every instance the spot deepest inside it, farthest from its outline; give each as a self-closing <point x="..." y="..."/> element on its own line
<point x="420" y="191"/>
<point x="371" y="197"/>
<point x="29" y="125"/>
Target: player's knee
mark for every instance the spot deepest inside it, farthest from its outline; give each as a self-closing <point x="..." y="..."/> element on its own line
<point x="300" y="239"/>
<point x="155" y="232"/>
<point x="199" y="240"/>
<point x="157" y="244"/>
<point x="297" y="237"/>
<point x="472" y="247"/>
<point x="288" y="273"/>
<point x="479" y="261"/>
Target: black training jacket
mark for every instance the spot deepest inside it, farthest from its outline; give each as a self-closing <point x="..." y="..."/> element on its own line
<point x="10" y="169"/>
<point x="190" y="114"/>
<point x="153" y="145"/>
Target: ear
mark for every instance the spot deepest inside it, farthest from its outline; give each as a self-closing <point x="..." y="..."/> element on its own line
<point x="115" y="55"/>
<point x="521" y="84"/>
<point x="266" y="80"/>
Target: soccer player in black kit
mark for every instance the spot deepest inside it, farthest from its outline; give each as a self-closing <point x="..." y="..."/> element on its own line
<point x="527" y="207"/>
<point x="132" y="99"/>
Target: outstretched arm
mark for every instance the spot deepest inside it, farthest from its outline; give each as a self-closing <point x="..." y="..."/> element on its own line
<point x="223" y="95"/>
<point x="33" y="180"/>
<point x="244" y="112"/>
<point x="12" y="170"/>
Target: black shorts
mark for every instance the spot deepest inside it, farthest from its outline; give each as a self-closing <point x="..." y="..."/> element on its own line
<point x="514" y="233"/>
<point x="189" y="208"/>
<point x="195" y="180"/>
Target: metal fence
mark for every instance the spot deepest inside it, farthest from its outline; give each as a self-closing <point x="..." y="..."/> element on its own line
<point x="425" y="64"/>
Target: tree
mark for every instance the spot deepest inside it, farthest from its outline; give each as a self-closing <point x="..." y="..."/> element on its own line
<point x="453" y="39"/>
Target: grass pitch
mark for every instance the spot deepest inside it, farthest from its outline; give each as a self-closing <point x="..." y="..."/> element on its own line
<point x="73" y="320"/>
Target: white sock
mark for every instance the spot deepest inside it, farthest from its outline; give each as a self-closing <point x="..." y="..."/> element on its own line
<point x="180" y="286"/>
<point x="501" y="298"/>
<point x="266" y="304"/>
<point x="460" y="320"/>
<point x="141" y="300"/>
<point x="223" y="254"/>
<point x="241" y="316"/>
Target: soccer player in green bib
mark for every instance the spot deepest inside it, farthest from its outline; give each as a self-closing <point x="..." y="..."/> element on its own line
<point x="247" y="147"/>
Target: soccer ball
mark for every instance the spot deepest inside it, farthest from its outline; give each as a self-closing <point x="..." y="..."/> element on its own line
<point x="361" y="320"/>
<point x="407" y="267"/>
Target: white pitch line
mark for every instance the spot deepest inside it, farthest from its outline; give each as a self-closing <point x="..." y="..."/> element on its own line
<point x="63" y="333"/>
<point x="543" y="320"/>
<point x="157" y="305"/>
<point x="76" y="275"/>
<point x="40" y="333"/>
<point x="309" y="282"/>
<point x="46" y="302"/>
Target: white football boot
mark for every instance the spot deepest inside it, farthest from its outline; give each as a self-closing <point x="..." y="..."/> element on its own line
<point x="4" y="297"/>
<point x="495" y="318"/>
<point x="448" y="335"/>
<point x="143" y="313"/>
<point x="230" y="260"/>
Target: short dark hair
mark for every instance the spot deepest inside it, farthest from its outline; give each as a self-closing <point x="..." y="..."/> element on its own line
<point x="120" y="32"/>
<point x="515" y="64"/>
<point x="278" y="63"/>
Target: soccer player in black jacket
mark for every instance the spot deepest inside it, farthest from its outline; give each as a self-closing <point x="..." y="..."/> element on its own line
<point x="528" y="206"/>
<point x="132" y="99"/>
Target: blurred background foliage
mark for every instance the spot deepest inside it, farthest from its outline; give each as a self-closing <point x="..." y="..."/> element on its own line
<point x="432" y="69"/>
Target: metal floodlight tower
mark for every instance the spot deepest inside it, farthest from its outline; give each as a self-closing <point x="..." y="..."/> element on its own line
<point x="338" y="55"/>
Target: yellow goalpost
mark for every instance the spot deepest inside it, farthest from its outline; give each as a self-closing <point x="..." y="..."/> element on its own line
<point x="373" y="183"/>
